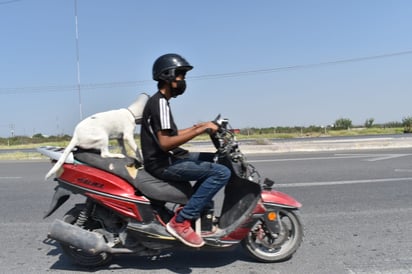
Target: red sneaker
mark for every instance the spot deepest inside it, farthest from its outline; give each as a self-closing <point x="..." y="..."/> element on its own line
<point x="184" y="232"/>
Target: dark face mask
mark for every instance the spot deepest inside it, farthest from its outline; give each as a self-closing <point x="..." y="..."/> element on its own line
<point x="179" y="89"/>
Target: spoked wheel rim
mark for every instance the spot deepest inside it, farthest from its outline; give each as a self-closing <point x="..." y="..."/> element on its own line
<point x="263" y="246"/>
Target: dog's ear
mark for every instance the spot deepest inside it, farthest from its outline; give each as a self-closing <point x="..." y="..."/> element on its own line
<point x="138" y="106"/>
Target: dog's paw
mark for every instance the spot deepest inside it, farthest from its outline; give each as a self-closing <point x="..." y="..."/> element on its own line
<point x="112" y="155"/>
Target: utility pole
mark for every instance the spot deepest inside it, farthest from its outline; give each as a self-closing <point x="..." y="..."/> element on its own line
<point x="11" y="127"/>
<point x="78" y="60"/>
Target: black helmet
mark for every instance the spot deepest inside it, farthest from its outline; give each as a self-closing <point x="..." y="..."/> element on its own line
<point x="165" y="66"/>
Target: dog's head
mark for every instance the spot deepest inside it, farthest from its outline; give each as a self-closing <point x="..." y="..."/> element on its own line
<point x="138" y="106"/>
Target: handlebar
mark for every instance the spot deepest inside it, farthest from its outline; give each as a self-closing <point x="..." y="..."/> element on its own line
<point x="209" y="131"/>
<point x="226" y="144"/>
<point x="223" y="137"/>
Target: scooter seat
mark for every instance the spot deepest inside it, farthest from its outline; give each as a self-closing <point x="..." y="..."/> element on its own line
<point x="159" y="190"/>
<point x="122" y="167"/>
<point x="132" y="171"/>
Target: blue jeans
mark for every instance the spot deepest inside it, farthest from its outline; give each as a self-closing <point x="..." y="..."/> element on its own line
<point x="210" y="177"/>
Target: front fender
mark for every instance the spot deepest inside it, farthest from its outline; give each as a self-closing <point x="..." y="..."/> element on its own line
<point x="277" y="198"/>
<point x="61" y="195"/>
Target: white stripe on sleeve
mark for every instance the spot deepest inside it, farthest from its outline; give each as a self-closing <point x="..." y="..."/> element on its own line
<point x="164" y="114"/>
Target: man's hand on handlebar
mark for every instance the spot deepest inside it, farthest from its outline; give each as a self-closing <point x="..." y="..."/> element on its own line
<point x="212" y="127"/>
<point x="208" y="127"/>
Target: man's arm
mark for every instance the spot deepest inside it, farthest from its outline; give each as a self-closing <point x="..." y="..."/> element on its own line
<point x="170" y="142"/>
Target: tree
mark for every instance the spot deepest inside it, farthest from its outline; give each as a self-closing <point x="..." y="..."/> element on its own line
<point x="38" y="136"/>
<point x="343" y="123"/>
<point x="407" y="124"/>
<point x="369" y="122"/>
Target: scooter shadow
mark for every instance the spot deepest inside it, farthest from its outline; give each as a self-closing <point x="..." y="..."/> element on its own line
<point x="178" y="260"/>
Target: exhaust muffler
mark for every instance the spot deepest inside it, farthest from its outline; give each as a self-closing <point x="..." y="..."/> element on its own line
<point x="69" y="234"/>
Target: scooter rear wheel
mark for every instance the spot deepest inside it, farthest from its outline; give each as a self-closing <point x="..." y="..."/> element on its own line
<point x="78" y="256"/>
<point x="268" y="248"/>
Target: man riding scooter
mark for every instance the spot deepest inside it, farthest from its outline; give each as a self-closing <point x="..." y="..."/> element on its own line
<point x="164" y="159"/>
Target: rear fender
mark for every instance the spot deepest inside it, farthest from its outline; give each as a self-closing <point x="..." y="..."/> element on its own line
<point x="61" y="195"/>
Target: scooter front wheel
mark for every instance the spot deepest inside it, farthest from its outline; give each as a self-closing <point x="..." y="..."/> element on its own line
<point x="267" y="247"/>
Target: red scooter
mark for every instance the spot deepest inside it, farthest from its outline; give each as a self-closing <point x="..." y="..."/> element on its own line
<point x="126" y="209"/>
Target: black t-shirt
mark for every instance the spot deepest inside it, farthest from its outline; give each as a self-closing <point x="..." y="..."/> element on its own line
<point x="156" y="117"/>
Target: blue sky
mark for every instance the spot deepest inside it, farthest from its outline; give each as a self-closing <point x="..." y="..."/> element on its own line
<point x="260" y="63"/>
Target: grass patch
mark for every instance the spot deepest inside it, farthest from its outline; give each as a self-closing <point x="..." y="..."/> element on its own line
<point x="22" y="156"/>
<point x="261" y="139"/>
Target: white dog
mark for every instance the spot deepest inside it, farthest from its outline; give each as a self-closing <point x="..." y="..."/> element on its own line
<point x="96" y="130"/>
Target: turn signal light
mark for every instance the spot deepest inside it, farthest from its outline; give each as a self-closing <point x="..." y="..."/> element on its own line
<point x="272" y="216"/>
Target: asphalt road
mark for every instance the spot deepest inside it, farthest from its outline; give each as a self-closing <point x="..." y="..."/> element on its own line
<point x="357" y="213"/>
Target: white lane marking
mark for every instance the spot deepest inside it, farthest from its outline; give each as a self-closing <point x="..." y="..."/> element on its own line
<point x="375" y="157"/>
<point x="332" y="183"/>
<point x="403" y="170"/>
<point x="387" y="157"/>
<point x="349" y="156"/>
<point x="353" y="140"/>
<point x="378" y="270"/>
<point x="367" y="213"/>
<point x="10" y="178"/>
